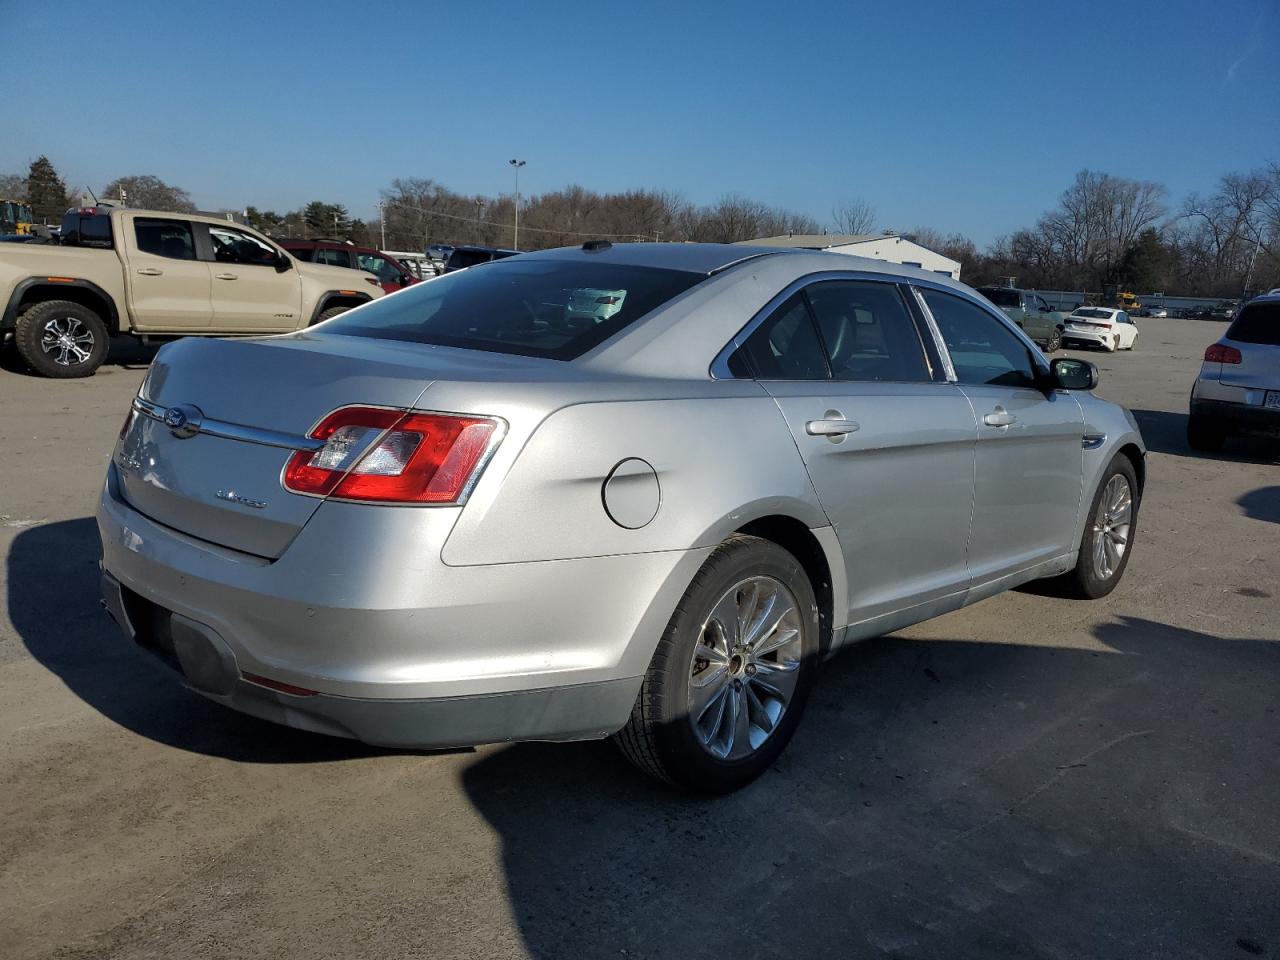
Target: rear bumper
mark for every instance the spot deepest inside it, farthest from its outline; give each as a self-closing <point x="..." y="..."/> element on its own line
<point x="1238" y="417"/>
<point x="389" y="644"/>
<point x="198" y="656"/>
<point x="1086" y="338"/>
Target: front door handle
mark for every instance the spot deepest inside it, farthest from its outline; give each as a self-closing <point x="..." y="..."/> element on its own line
<point x="1000" y="418"/>
<point x="227" y="276"/>
<point x="831" y="427"/>
<point x="150" y="272"/>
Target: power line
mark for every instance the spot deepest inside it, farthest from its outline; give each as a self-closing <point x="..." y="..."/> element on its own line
<point x="495" y="223"/>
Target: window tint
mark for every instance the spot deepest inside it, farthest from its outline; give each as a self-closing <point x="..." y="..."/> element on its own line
<point x="784" y="347"/>
<point x="380" y="267"/>
<point x="461" y="259"/>
<point x="982" y="349"/>
<point x="91" y="229"/>
<point x="232" y="246"/>
<point x="334" y="258"/>
<point x="527" y="307"/>
<point x="1001" y="296"/>
<point x="305" y="254"/>
<point x="868" y="332"/>
<point x="165" y="238"/>
<point x="1257" y="323"/>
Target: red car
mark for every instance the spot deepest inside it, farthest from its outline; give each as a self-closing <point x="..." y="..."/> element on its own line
<point x="391" y="273"/>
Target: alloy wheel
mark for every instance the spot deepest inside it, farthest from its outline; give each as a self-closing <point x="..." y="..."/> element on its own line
<point x="745" y="667"/>
<point x="68" y="341"/>
<point x="1111" y="525"/>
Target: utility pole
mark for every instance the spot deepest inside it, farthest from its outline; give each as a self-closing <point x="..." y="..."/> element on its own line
<point x="517" y="164"/>
<point x="382" y="222"/>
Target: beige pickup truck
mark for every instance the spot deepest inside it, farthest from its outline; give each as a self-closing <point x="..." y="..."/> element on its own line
<point x="122" y="271"/>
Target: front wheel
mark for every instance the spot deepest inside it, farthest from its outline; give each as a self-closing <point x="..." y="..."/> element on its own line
<point x="330" y="314"/>
<point x="1108" y="537"/>
<point x="61" y="339"/>
<point x="1054" y="343"/>
<point x="728" y="682"/>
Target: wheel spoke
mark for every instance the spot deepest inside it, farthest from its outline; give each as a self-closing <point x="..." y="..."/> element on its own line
<point x="704" y="689"/>
<point x="747" y="609"/>
<point x="740" y="745"/>
<point x="1100" y="554"/>
<point x="755" y="629"/>
<point x="781" y="637"/>
<point x="776" y="680"/>
<point x="725" y="616"/>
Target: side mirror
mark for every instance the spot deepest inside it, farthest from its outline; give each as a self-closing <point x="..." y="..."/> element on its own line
<point x="283" y="263"/>
<point x="1069" y="373"/>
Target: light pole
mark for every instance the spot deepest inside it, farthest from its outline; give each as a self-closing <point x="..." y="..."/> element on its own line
<point x="516" y="165"/>
<point x="382" y="222"/>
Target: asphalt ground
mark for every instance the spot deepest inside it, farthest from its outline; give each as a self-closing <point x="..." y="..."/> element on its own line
<point x="1029" y="777"/>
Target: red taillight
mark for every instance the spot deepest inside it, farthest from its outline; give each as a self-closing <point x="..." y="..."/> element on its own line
<point x="289" y="688"/>
<point x="391" y="456"/>
<point x="1221" y="353"/>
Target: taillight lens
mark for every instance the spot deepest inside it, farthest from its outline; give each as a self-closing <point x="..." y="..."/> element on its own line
<point x="1221" y="353"/>
<point x="391" y="456"/>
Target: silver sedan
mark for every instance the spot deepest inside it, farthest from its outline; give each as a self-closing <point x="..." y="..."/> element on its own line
<point x="475" y="512"/>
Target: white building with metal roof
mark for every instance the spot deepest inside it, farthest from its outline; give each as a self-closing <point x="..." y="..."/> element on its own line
<point x="890" y="247"/>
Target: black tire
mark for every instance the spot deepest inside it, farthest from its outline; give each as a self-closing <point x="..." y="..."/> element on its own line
<point x="1203" y="434"/>
<point x="330" y="314"/>
<point x="1085" y="582"/>
<point x="660" y="737"/>
<point x="1054" y="343"/>
<point x="61" y="339"/>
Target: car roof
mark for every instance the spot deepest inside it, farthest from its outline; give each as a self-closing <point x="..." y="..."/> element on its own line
<point x="693" y="257"/>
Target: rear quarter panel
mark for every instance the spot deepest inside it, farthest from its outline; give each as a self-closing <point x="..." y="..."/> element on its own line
<point x="720" y="463"/>
<point x="24" y="261"/>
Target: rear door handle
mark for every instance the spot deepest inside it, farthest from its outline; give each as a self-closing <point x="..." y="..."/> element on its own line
<point x="227" y="276"/>
<point x="150" y="272"/>
<point x="999" y="419"/>
<point x="830" y="427"/>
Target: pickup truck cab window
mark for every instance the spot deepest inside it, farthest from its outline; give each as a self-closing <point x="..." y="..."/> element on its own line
<point x="165" y="238"/>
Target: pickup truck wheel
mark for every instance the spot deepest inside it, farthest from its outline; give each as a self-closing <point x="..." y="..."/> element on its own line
<point x="330" y="314"/>
<point x="62" y="339"/>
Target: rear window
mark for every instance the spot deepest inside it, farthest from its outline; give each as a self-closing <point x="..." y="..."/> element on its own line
<point x="1002" y="298"/>
<point x="1093" y="314"/>
<point x="83" y="229"/>
<point x="306" y="253"/>
<point x="534" y="308"/>
<point x="461" y="259"/>
<point x="1257" y="323"/>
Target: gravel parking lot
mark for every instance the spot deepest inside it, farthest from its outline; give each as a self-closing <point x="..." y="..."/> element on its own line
<point x="1028" y="777"/>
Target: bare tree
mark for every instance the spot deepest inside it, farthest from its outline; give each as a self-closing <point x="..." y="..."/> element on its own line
<point x="149" y="192"/>
<point x="854" y="216"/>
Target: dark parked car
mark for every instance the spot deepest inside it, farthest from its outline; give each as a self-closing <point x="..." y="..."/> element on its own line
<point x="469" y="256"/>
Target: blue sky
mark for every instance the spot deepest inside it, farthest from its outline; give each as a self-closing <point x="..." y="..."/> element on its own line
<point x="963" y="117"/>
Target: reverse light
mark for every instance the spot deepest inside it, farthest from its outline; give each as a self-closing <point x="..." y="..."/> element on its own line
<point x="391" y="456"/>
<point x="1221" y="353"/>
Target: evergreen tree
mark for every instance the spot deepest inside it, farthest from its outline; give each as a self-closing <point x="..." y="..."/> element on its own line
<point x="46" y="192"/>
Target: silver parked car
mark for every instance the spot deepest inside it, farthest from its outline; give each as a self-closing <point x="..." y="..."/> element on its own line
<point x="468" y="513"/>
<point x="1238" y="390"/>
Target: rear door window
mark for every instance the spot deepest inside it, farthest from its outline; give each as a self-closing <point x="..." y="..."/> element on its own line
<point x="529" y="307"/>
<point x="334" y="258"/>
<point x="165" y="238"/>
<point x="786" y="346"/>
<point x="1257" y="323"/>
<point x="868" y="331"/>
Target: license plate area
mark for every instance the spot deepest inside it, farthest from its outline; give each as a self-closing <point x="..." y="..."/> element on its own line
<point x="1271" y="400"/>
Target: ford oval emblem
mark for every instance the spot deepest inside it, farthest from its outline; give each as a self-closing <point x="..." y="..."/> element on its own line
<point x="183" y="420"/>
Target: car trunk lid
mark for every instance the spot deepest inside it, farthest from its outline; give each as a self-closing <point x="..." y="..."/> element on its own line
<point x="221" y="482"/>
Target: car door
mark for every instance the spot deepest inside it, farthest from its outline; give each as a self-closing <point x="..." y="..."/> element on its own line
<point x="250" y="293"/>
<point x="1029" y="460"/>
<point x="169" y="288"/>
<point x="888" y="443"/>
<point x="1128" y="330"/>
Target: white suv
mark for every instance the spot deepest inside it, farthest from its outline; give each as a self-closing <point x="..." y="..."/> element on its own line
<point x="1238" y="390"/>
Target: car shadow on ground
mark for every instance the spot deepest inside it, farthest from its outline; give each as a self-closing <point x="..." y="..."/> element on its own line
<point x="1262" y="504"/>
<point x="126" y="353"/>
<point x="53" y="604"/>
<point x="1166" y="432"/>
<point x="941" y="799"/>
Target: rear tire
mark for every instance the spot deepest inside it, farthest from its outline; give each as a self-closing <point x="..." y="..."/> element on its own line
<point x="1110" y="528"/>
<point x="61" y="339"/>
<point x="1203" y="435"/>
<point x="719" y="703"/>
<point x="1054" y="343"/>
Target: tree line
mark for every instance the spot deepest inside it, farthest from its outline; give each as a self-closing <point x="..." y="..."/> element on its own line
<point x="1104" y="229"/>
